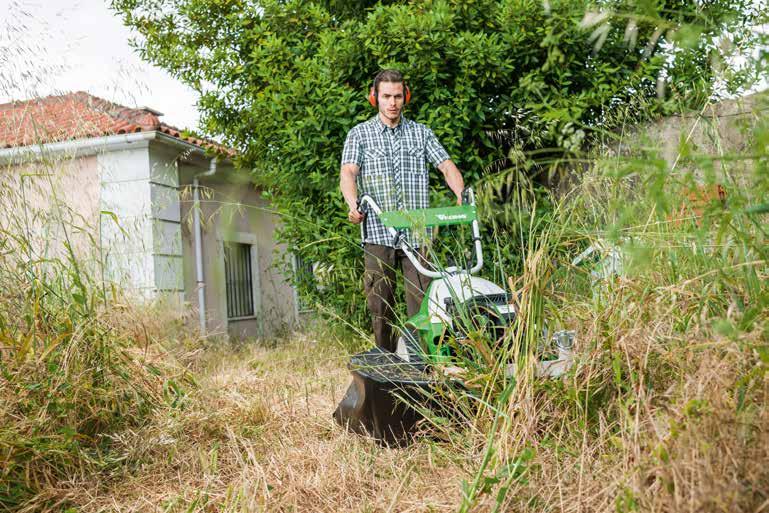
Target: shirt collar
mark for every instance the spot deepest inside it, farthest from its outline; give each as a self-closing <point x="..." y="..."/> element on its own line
<point x="382" y="127"/>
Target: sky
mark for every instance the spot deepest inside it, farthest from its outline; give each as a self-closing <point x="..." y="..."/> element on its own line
<point x="50" y="47"/>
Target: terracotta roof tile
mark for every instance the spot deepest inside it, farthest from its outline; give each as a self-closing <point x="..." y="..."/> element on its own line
<point x="78" y="116"/>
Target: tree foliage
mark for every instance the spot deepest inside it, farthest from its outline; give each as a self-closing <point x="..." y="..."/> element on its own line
<point x="283" y="81"/>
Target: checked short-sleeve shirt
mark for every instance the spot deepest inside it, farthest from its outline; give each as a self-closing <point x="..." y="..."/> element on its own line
<point x="393" y="170"/>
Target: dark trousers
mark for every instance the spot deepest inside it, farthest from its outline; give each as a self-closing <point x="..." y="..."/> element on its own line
<point x="379" y="285"/>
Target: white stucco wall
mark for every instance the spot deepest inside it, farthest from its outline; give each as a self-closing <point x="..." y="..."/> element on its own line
<point x="49" y="204"/>
<point x="142" y="233"/>
<point x="233" y="210"/>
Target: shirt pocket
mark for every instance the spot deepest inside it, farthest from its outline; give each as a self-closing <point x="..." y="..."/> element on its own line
<point x="376" y="179"/>
<point x="415" y="160"/>
<point x="375" y="161"/>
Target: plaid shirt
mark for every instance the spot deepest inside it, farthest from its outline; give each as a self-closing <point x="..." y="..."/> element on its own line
<point x="393" y="170"/>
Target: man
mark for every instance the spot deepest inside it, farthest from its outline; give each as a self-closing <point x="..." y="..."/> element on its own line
<point x="386" y="156"/>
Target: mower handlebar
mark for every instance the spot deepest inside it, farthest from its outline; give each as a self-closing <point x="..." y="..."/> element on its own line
<point x="366" y="202"/>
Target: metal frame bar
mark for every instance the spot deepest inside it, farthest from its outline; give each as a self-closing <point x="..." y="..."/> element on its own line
<point x="408" y="251"/>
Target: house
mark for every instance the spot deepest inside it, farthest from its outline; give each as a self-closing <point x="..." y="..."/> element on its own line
<point x="140" y="204"/>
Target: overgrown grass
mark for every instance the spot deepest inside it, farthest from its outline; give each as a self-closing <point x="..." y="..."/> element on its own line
<point x="104" y="408"/>
<point x="665" y="409"/>
<point x="78" y="363"/>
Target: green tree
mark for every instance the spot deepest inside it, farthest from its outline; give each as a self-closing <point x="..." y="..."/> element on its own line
<point x="284" y="80"/>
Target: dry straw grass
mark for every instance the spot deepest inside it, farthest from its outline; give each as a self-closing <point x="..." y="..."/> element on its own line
<point x="258" y="436"/>
<point x="110" y="407"/>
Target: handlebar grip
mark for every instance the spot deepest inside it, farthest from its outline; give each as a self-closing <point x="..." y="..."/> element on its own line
<point x="466" y="196"/>
<point x="364" y="227"/>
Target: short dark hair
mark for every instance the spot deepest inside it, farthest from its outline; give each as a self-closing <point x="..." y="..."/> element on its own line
<point x="388" y="75"/>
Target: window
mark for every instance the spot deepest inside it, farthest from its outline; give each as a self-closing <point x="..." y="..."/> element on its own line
<point x="238" y="280"/>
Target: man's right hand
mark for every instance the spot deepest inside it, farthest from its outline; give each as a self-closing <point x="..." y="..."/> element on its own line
<point x="355" y="216"/>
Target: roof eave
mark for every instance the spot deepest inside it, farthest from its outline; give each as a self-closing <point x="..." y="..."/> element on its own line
<point x="92" y="146"/>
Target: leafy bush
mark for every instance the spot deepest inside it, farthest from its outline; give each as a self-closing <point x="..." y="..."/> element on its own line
<point x="502" y="83"/>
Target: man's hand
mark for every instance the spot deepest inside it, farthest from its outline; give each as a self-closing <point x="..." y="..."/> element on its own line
<point x="355" y="216"/>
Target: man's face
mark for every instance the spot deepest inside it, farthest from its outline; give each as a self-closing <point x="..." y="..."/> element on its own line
<point x="390" y="100"/>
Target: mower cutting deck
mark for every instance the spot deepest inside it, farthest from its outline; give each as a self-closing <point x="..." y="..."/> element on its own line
<point x="457" y="306"/>
<point x="378" y="401"/>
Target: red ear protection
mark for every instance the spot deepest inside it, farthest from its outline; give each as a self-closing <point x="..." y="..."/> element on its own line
<point x="372" y="95"/>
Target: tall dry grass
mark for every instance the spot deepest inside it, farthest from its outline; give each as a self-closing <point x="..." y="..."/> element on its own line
<point x="78" y="362"/>
<point x="257" y="435"/>
<point x="665" y="409"/>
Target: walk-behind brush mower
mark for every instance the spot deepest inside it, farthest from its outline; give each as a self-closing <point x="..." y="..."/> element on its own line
<point x="457" y="308"/>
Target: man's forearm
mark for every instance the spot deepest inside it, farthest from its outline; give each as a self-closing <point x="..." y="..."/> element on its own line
<point x="453" y="177"/>
<point x="348" y="187"/>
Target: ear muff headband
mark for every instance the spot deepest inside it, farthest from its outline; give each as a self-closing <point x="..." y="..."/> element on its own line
<point x="372" y="95"/>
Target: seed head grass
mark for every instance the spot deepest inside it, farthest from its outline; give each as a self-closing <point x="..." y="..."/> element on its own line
<point x="112" y="407"/>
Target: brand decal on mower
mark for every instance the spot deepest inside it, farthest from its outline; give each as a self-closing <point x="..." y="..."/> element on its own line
<point x="450" y="217"/>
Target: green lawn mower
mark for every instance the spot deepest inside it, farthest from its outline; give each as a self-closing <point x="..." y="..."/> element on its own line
<point x="458" y="309"/>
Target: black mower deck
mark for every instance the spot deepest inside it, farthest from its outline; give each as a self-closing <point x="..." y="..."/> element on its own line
<point x="378" y="401"/>
<point x="386" y="367"/>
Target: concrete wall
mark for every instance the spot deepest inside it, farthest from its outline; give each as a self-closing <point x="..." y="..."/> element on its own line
<point x="141" y="234"/>
<point x="50" y="202"/>
<point x="720" y="129"/>
<point x="233" y="210"/>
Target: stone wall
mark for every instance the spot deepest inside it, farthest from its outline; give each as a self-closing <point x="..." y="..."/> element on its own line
<point x="719" y="130"/>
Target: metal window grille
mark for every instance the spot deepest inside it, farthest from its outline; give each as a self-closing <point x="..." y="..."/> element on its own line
<point x="238" y="279"/>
